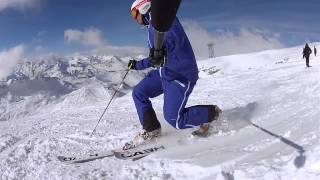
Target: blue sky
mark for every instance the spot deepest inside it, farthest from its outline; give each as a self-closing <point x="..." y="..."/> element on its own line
<point x="70" y="26"/>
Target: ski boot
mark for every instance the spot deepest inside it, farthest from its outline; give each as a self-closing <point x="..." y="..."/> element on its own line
<point x="141" y="138"/>
<point x="214" y="119"/>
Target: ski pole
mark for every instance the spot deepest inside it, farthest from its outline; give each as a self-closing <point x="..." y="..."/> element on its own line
<point x="115" y="92"/>
<point x="299" y="148"/>
<point x="122" y="70"/>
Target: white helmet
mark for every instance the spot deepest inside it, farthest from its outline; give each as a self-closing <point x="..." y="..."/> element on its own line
<point x="140" y="7"/>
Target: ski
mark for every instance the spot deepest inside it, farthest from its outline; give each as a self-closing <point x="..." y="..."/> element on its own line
<point x="90" y="157"/>
<point x="133" y="154"/>
<point x="137" y="154"/>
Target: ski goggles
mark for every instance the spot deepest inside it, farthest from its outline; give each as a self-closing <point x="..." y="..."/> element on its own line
<point x="134" y="13"/>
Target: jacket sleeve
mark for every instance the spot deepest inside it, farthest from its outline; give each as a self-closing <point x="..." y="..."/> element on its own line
<point x="143" y="64"/>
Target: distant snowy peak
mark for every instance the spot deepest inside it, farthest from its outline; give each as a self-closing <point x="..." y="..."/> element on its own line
<point x="69" y="80"/>
<point x="68" y="67"/>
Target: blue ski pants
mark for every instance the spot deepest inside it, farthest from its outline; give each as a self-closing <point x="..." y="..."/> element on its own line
<point x="176" y="95"/>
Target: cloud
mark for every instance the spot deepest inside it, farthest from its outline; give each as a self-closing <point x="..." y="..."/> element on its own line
<point x="93" y="37"/>
<point x="39" y="49"/>
<point x="227" y="42"/>
<point x="90" y="37"/>
<point x="120" y="51"/>
<point x="19" y="4"/>
<point x="9" y="59"/>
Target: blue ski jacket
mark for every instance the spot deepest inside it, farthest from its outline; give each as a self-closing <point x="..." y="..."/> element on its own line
<point x="181" y="62"/>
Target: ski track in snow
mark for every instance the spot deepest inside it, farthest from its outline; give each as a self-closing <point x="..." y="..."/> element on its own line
<point x="282" y="98"/>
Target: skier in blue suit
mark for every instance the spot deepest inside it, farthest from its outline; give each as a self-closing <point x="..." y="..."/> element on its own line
<point x="175" y="77"/>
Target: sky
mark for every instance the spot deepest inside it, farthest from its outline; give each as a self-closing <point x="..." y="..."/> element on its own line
<point x="64" y="27"/>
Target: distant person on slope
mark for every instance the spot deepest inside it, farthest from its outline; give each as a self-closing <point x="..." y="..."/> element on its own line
<point x="315" y="51"/>
<point x="175" y="78"/>
<point x="306" y="54"/>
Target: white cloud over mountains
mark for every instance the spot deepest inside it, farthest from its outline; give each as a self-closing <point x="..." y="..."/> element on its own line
<point x="93" y="37"/>
<point x="19" y="4"/>
<point x="9" y="59"/>
<point x="90" y="37"/>
<point x="227" y="42"/>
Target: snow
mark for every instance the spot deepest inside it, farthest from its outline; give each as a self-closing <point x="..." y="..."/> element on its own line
<point x="269" y="99"/>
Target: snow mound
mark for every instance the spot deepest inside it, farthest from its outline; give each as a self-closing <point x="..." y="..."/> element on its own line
<point x="85" y="95"/>
<point x="244" y="62"/>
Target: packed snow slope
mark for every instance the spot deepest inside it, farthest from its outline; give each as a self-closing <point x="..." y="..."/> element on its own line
<point x="270" y="101"/>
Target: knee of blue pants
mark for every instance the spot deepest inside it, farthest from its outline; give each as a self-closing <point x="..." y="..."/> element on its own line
<point x="134" y="93"/>
<point x="137" y="95"/>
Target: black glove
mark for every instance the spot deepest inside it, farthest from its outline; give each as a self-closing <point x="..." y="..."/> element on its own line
<point x="132" y="64"/>
<point x="158" y="57"/>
